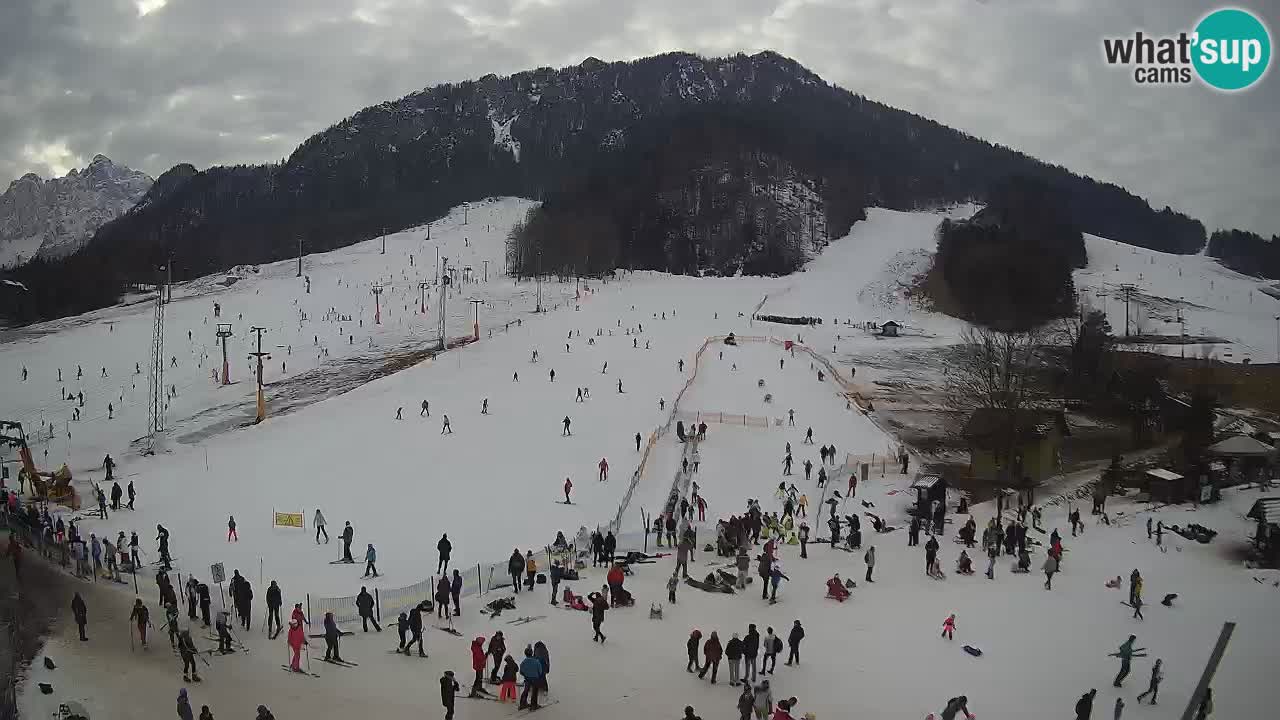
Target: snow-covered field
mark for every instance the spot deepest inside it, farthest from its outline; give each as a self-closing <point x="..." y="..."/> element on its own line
<point x="492" y="484"/>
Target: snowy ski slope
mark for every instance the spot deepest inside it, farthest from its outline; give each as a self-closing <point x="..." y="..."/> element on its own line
<point x="492" y="484"/>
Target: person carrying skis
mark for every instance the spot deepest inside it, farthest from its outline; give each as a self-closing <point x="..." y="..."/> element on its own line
<point x="444" y="547"/>
<point x="187" y="651"/>
<point x="296" y="638"/>
<point x="364" y="605"/>
<point x="319" y="522"/>
<point x="274" y="601"/>
<point x="370" y="562"/>
<point x="1126" y="653"/>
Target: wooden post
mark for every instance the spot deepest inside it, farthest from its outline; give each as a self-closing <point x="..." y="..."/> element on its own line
<point x="1207" y="676"/>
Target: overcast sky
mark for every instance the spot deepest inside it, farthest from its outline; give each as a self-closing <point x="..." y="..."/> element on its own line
<point x="152" y="83"/>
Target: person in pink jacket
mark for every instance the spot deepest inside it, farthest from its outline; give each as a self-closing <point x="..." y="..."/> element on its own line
<point x="297" y="638"/>
<point x="949" y="626"/>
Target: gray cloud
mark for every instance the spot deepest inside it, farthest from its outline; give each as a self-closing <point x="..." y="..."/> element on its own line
<point x="244" y="81"/>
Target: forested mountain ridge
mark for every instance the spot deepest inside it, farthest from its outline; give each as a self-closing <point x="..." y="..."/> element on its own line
<point x="677" y="162"/>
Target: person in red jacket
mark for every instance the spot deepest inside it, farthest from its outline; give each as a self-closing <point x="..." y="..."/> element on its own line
<point x="479" y="658"/>
<point x="783" y="711"/>
<point x="568" y="485"/>
<point x="297" y="638"/>
<point x="615" y="578"/>
<point x="297" y="615"/>
<point x="604" y="469"/>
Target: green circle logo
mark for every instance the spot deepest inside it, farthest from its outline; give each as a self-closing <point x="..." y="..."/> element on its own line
<point x="1232" y="49"/>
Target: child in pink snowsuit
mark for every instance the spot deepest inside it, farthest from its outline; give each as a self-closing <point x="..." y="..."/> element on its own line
<point x="297" y="638"/>
<point x="949" y="626"/>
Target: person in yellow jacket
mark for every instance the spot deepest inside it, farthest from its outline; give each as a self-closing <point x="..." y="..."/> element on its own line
<point x="530" y="567"/>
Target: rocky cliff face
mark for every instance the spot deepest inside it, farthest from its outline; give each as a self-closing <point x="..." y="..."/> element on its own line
<point x="53" y="218"/>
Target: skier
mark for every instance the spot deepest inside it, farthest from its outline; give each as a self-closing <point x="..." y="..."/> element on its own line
<point x="274" y="602"/>
<point x="930" y="551"/>
<point x="446" y="428"/>
<point x="331" y="635"/>
<point x="80" y="612"/>
<point x="415" y="630"/>
<point x="1153" y="689"/>
<point x="231" y="529"/>
<point x="566" y="427"/>
<point x="497" y="649"/>
<point x="448" y="691"/>
<point x="484" y="407"/>
<point x="132" y="495"/>
<point x="604" y="469"/>
<point x="162" y="537"/>
<point x="348" y="534"/>
<point x="793" y="642"/>
<point x="296" y="639"/>
<point x="637" y="442"/>
<point x="187" y="651"/>
<point x="370" y="560"/>
<point x="142" y="618"/>
<point x="319" y="522"/>
<point x="224" y="633"/>
<point x="203" y="591"/>
<point x="444" y="547"/>
<point x="786" y="465"/>
<point x="949" y="626"/>
<point x="116" y="493"/>
<point x="531" y="670"/>
<point x="870" y="559"/>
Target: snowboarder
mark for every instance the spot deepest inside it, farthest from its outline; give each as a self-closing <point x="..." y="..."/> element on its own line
<point x="319" y="522"/>
<point x="568" y="486"/>
<point x="444" y="547"/>
<point x="348" y="533"/>
<point x="949" y="626"/>
<point x="370" y="560"/>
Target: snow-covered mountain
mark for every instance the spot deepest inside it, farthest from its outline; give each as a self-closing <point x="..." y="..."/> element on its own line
<point x="51" y="218"/>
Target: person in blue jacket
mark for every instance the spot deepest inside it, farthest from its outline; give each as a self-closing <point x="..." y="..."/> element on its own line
<point x="531" y="670"/>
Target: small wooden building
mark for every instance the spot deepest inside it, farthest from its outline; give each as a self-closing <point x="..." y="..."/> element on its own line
<point x="1035" y="437"/>
<point x="1266" y="511"/>
<point x="889" y="329"/>
<point x="1166" y="486"/>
